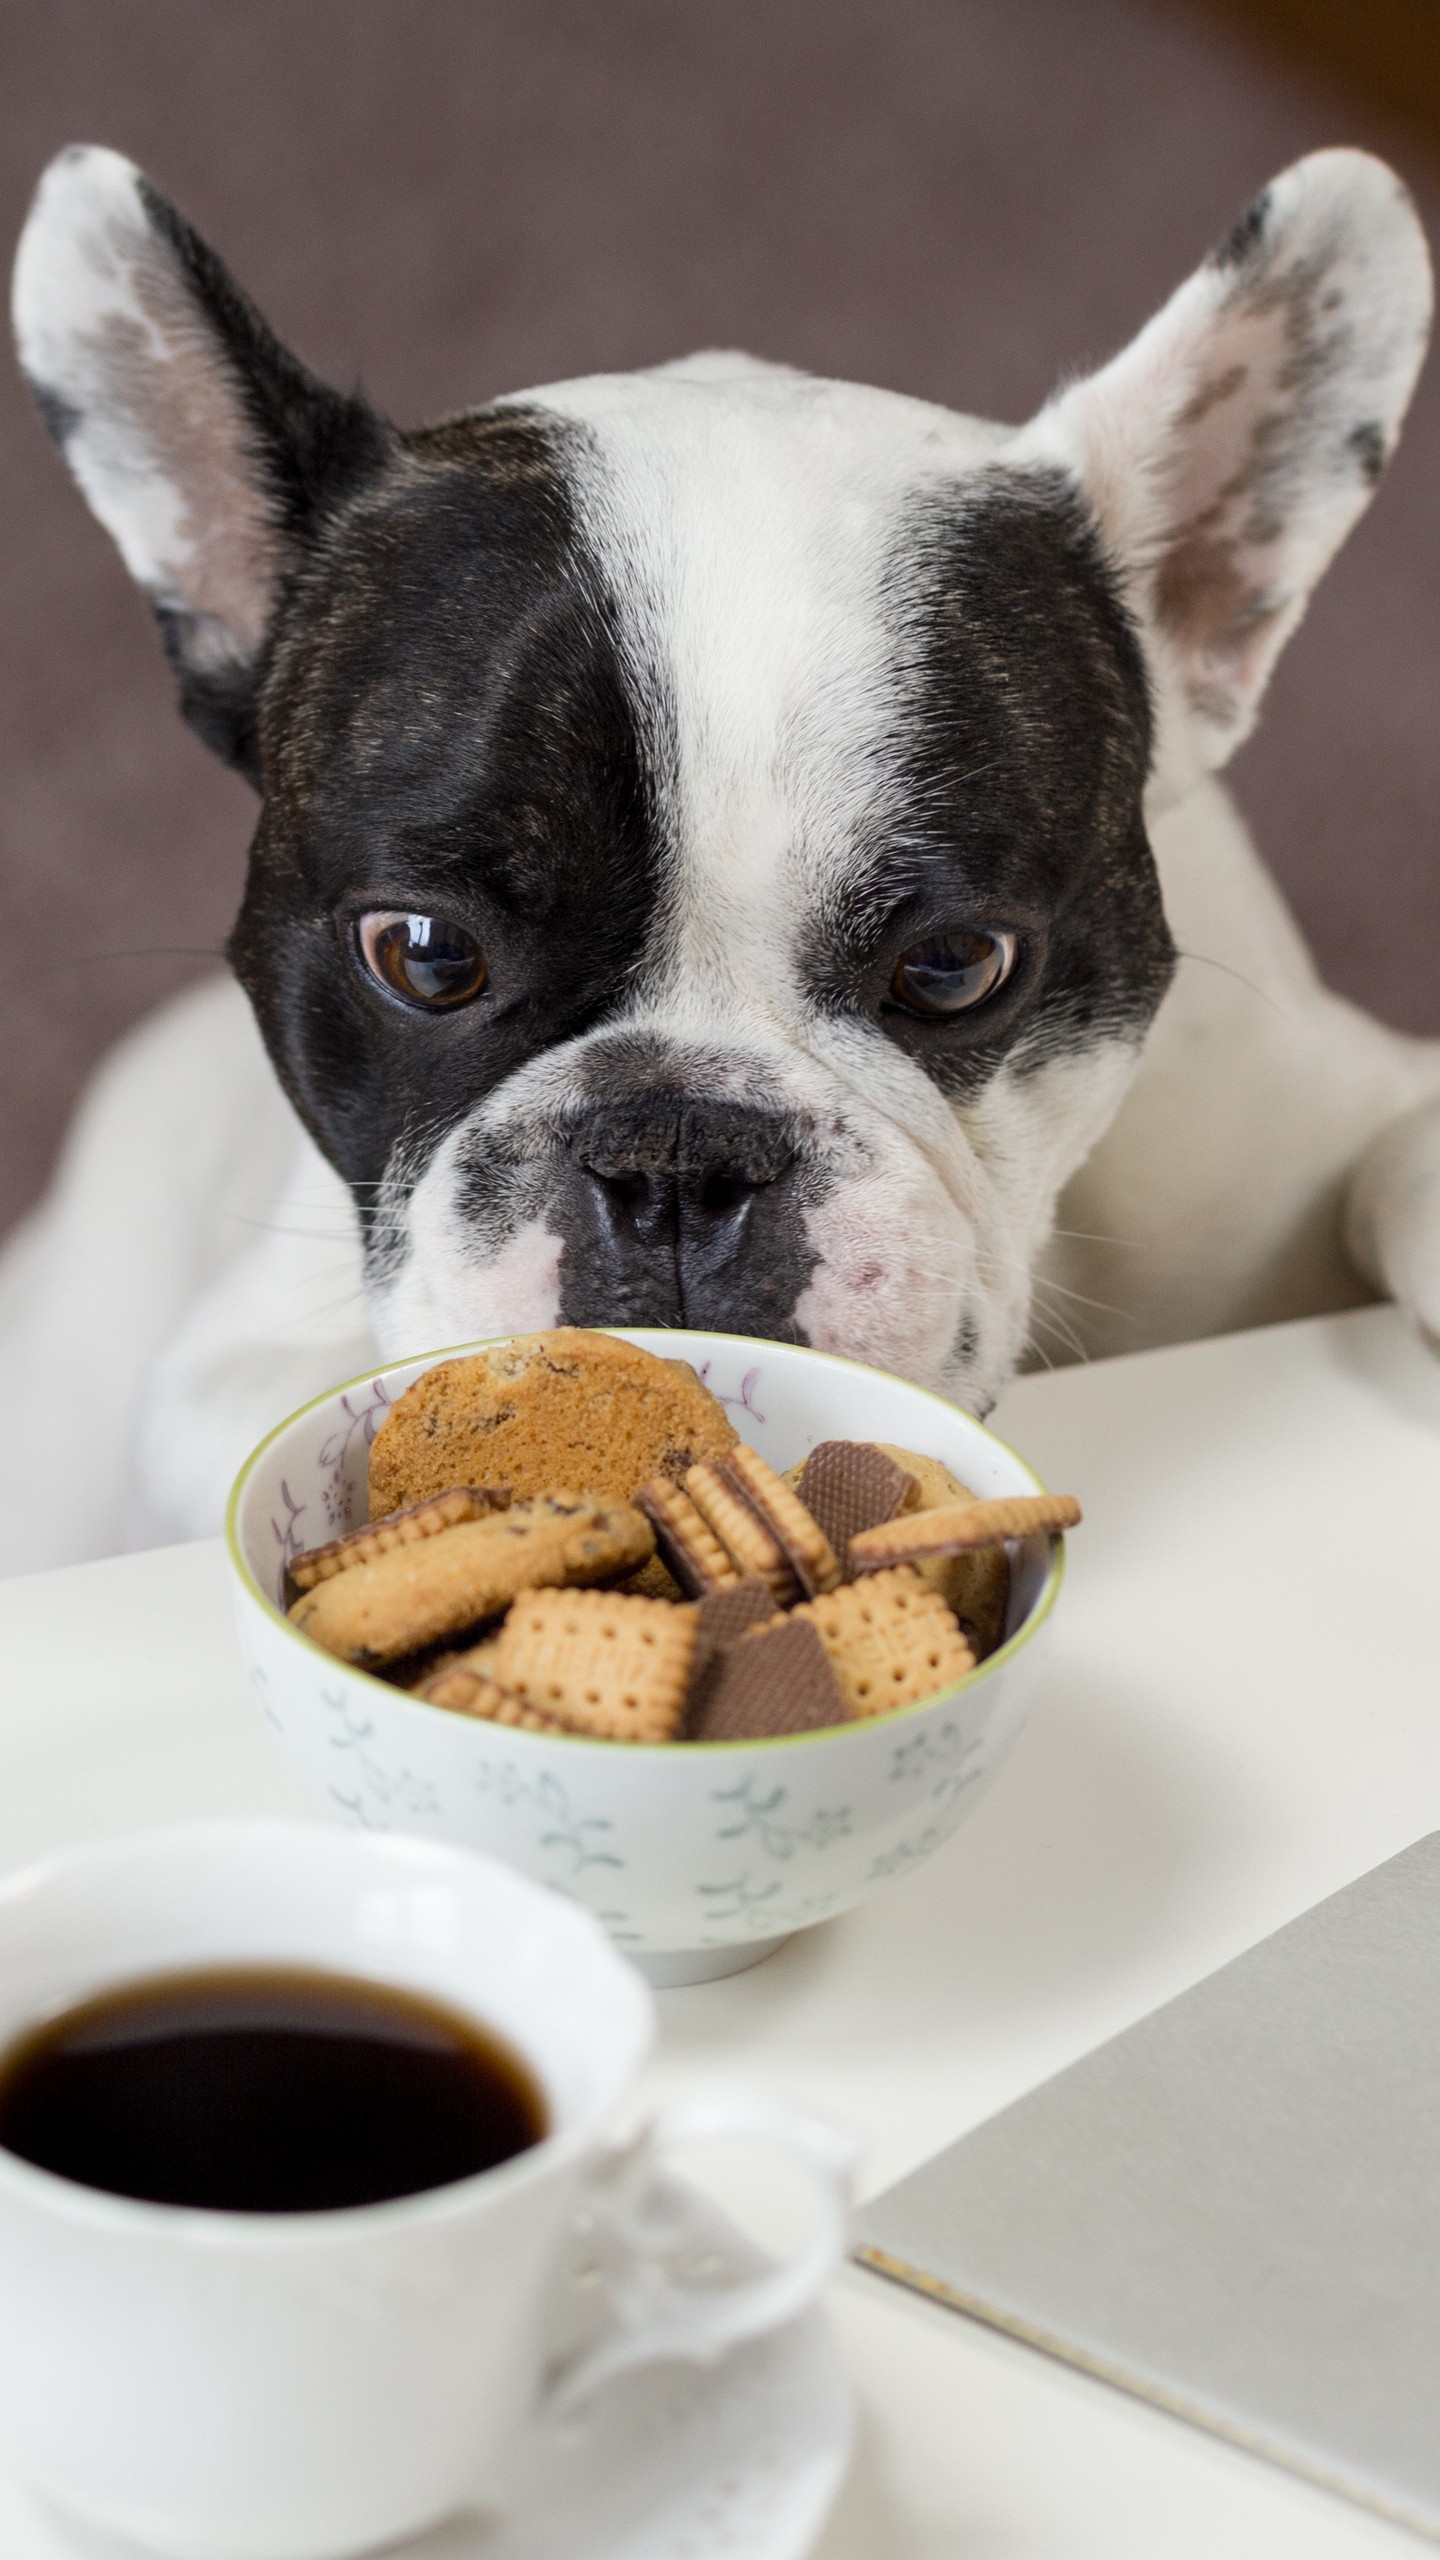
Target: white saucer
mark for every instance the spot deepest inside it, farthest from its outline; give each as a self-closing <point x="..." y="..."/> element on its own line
<point x="740" y="2461"/>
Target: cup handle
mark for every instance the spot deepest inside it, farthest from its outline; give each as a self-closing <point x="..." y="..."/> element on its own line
<point x="654" y="2318"/>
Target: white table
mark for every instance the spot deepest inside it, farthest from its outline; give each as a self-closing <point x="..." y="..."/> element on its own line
<point x="1242" y="1713"/>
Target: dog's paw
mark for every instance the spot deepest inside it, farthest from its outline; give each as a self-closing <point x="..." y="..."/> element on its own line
<point x="1392" y="1216"/>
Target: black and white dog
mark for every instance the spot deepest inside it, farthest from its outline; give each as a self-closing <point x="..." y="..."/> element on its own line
<point x="724" y="838"/>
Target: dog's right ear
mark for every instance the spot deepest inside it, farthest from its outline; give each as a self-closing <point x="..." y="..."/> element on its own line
<point x="1227" y="451"/>
<point x="208" y="452"/>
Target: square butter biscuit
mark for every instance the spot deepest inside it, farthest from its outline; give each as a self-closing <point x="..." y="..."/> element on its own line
<point x="606" y="1662"/>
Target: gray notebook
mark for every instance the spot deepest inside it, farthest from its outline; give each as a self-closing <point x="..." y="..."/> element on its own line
<point x="1234" y="2208"/>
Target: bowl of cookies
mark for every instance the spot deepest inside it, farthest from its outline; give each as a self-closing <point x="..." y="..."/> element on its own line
<point x="715" y="1635"/>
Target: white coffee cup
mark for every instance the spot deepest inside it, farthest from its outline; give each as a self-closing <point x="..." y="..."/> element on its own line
<point x="233" y="2386"/>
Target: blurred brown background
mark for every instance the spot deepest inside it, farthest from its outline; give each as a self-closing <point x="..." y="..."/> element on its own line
<point x="450" y="198"/>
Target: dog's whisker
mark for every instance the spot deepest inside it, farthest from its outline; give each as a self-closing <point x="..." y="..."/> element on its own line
<point x="1056" y="1327"/>
<point x="992" y="1260"/>
<point x="1097" y="1306"/>
<point x="1091" y="1235"/>
<point x="1062" y="1332"/>
<point x="281" y="1227"/>
<point x="140" y="951"/>
<point x="1033" y="1349"/>
<point x="1207" y="960"/>
<point x="320" y="1314"/>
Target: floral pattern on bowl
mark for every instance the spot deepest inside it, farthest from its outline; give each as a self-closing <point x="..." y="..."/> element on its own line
<point x="697" y="1857"/>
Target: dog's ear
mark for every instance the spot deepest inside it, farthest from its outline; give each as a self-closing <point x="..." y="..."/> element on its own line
<point x="208" y="452"/>
<point x="1228" y="451"/>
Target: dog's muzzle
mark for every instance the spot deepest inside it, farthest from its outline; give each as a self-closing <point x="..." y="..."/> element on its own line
<point x="676" y="1211"/>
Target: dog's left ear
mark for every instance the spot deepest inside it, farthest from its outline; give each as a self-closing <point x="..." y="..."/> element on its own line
<point x="1228" y="451"/>
<point x="209" y="452"/>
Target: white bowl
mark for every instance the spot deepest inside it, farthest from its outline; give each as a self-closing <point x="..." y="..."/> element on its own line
<point x="698" y="1857"/>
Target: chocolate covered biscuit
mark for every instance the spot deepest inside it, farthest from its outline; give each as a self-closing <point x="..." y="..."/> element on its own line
<point x="801" y="1539"/>
<point x="850" y="1485"/>
<point x="684" y="1539"/>
<point x="775" y="1680"/>
<point x="750" y="1544"/>
<point x="722" y="1616"/>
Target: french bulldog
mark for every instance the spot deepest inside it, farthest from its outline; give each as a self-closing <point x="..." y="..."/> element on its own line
<point x="724" y="843"/>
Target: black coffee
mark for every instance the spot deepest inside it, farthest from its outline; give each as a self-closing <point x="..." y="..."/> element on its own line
<point x="261" y="2089"/>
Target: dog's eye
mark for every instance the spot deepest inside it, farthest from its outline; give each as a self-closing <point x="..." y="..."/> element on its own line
<point x="952" y="973"/>
<point x="422" y="958"/>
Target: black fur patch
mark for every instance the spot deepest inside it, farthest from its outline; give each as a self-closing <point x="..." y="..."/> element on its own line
<point x="60" y="416"/>
<point x="503" y="1182"/>
<point x="1245" y="233"/>
<point x="220" y="701"/>
<point x="1367" y="443"/>
<point x="443" y="728"/>
<point x="1022" y="747"/>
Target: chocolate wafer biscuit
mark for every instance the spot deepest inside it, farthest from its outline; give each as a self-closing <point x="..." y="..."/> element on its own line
<point x="751" y="1546"/>
<point x="684" y="1538"/>
<point x="418" y="1595"/>
<point x="850" y="1485"/>
<point x="609" y="1665"/>
<point x="801" y="1539"/>
<point x="721" y="1616"/>
<point x="470" y="1693"/>
<point x="399" y="1529"/>
<point x="777" y="1679"/>
<point x="891" y="1641"/>
<point x="964" y="1525"/>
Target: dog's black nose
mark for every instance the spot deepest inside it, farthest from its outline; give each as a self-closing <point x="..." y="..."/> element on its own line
<point x="683" y="1212"/>
<point x="699" y="1165"/>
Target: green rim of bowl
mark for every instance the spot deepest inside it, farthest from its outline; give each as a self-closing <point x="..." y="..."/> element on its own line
<point x="1049" y="1589"/>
